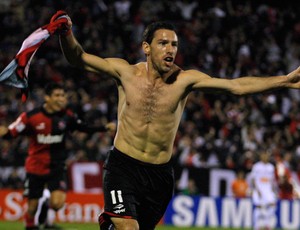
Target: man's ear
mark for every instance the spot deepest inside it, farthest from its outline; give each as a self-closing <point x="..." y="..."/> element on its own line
<point x="146" y="48"/>
<point x="46" y="98"/>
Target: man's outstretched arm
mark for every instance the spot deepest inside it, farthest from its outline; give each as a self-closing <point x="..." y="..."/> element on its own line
<point x="77" y="57"/>
<point x="244" y="85"/>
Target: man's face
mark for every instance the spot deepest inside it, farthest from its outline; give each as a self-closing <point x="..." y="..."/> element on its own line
<point x="163" y="50"/>
<point x="265" y="156"/>
<point x="56" y="101"/>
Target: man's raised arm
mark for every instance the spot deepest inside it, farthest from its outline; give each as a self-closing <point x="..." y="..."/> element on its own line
<point x="75" y="54"/>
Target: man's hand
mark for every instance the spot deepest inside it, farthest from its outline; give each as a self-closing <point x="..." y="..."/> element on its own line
<point x="57" y="15"/>
<point x="294" y="78"/>
<point x="3" y="131"/>
<point x="111" y="127"/>
<point x="60" y="23"/>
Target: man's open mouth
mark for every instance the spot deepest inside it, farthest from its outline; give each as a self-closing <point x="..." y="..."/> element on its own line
<point x="169" y="59"/>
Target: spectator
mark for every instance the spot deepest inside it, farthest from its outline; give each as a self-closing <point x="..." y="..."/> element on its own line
<point x="14" y="181"/>
<point x="263" y="186"/>
<point x="239" y="186"/>
<point x="284" y="178"/>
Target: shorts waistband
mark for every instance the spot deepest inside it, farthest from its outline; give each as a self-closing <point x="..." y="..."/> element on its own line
<point x="133" y="160"/>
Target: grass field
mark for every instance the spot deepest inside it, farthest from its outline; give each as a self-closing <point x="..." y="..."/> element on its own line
<point x="5" y="225"/>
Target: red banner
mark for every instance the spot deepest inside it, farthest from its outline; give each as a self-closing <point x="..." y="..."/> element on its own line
<point x="85" y="177"/>
<point x="79" y="207"/>
<point x="12" y="205"/>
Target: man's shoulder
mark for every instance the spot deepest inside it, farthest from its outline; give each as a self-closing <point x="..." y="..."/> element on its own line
<point x="34" y="111"/>
<point x="133" y="69"/>
<point x="192" y="72"/>
<point x="258" y="164"/>
<point x="139" y="65"/>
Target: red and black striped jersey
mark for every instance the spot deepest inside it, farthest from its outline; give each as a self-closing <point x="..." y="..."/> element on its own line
<point x="46" y="134"/>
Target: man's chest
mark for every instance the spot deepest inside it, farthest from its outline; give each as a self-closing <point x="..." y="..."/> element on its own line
<point x="148" y="98"/>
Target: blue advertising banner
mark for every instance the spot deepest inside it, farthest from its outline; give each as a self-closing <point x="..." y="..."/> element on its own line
<point x="185" y="211"/>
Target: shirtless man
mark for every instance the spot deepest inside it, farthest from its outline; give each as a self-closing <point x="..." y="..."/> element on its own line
<point x="138" y="179"/>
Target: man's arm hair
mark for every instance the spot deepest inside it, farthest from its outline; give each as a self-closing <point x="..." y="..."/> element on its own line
<point x="78" y="58"/>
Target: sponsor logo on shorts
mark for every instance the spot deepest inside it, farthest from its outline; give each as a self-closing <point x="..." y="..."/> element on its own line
<point x="119" y="208"/>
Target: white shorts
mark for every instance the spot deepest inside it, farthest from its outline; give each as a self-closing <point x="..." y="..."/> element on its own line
<point x="266" y="198"/>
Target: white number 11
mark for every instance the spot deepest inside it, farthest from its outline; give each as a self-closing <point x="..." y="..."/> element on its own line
<point x="114" y="198"/>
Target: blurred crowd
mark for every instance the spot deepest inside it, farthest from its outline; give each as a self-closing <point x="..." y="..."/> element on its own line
<point x="225" y="39"/>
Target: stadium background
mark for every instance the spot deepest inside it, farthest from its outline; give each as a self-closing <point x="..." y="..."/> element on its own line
<point x="221" y="38"/>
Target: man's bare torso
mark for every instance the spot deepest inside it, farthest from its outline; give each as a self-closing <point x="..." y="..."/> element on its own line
<point x="149" y="113"/>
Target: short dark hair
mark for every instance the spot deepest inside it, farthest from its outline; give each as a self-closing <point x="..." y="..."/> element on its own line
<point x="50" y="87"/>
<point x="150" y="30"/>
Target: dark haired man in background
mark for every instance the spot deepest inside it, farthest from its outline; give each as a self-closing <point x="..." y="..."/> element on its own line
<point x="46" y="127"/>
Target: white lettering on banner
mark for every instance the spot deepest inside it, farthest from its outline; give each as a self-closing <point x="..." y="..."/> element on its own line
<point x="78" y="173"/>
<point x="13" y="208"/>
<point x="91" y="213"/>
<point x="227" y="212"/>
<point x="289" y="217"/>
<point x="218" y="175"/>
<point x="79" y="213"/>
<point x="236" y="214"/>
<point x="61" y="214"/>
<point x="51" y="216"/>
<point x="75" y="212"/>
<point x="15" y="211"/>
<point x="207" y="210"/>
<point x="183" y="216"/>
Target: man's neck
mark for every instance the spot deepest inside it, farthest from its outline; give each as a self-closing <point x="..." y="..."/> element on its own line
<point x="48" y="109"/>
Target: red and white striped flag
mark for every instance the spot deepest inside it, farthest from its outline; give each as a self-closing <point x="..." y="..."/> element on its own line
<point x="16" y="73"/>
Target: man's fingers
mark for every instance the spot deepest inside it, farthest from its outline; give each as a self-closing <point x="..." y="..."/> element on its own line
<point x="58" y="14"/>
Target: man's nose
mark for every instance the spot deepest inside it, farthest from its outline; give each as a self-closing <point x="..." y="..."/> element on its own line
<point x="170" y="49"/>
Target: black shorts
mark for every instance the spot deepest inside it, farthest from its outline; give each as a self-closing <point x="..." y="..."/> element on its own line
<point x="137" y="190"/>
<point x="35" y="184"/>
